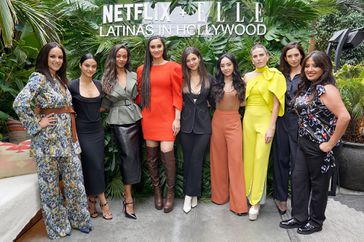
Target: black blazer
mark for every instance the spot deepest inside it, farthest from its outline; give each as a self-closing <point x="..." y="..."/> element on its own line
<point x="195" y="116"/>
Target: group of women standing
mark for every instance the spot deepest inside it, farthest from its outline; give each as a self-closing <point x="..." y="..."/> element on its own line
<point x="163" y="99"/>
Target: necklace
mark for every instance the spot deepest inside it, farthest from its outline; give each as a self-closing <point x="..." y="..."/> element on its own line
<point x="228" y="87"/>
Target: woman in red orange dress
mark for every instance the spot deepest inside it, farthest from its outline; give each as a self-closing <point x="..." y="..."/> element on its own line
<point x="160" y="97"/>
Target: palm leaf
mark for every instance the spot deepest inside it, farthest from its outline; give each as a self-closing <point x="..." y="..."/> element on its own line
<point x="8" y="20"/>
<point x="39" y="19"/>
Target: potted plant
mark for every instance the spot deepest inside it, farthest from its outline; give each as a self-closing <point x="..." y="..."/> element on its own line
<point x="350" y="81"/>
<point x="14" y="72"/>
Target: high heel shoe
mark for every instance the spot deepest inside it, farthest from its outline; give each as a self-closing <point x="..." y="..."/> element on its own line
<point x="92" y="208"/>
<point x="254" y="212"/>
<point x="187" y="204"/>
<point x="128" y="215"/>
<point x="106" y="214"/>
<point x="194" y="201"/>
<point x="278" y="204"/>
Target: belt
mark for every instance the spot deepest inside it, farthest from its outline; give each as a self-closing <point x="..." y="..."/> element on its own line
<point x="125" y="102"/>
<point x="67" y="109"/>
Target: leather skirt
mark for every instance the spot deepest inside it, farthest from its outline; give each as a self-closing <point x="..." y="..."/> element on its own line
<point x="128" y="138"/>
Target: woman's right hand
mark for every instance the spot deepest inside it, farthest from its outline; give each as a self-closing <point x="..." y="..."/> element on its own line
<point x="48" y="120"/>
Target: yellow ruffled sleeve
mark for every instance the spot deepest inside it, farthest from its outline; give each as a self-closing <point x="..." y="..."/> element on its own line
<point x="276" y="86"/>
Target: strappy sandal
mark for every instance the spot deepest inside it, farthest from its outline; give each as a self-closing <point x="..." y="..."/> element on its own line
<point x="128" y="215"/>
<point x="92" y="208"/>
<point x="106" y="214"/>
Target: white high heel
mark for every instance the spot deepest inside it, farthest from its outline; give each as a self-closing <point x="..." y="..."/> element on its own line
<point x="254" y="212"/>
<point x="194" y="202"/>
<point x="187" y="204"/>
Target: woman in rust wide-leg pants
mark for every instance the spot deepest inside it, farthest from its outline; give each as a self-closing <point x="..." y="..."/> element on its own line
<point x="227" y="176"/>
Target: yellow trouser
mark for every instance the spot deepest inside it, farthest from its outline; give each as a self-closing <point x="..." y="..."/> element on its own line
<point x="256" y="152"/>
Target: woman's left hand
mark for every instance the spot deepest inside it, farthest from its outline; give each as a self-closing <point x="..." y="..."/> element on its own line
<point x="269" y="135"/>
<point x="176" y="126"/>
<point x="325" y="147"/>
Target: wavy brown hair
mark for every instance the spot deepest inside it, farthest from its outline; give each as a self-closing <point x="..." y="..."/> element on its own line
<point x="323" y="61"/>
<point x="109" y="78"/>
<point x="284" y="67"/>
<point x="186" y="85"/>
<point x="218" y="87"/>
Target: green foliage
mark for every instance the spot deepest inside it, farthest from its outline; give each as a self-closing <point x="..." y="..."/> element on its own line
<point x="14" y="14"/>
<point x="350" y="81"/>
<point x="347" y="16"/>
<point x="77" y="21"/>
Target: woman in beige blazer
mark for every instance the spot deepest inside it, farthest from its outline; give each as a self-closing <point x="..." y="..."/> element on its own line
<point x="120" y="87"/>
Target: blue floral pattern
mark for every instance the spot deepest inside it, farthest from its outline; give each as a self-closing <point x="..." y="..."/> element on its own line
<point x="316" y="121"/>
<point x="54" y="140"/>
<point x="56" y="155"/>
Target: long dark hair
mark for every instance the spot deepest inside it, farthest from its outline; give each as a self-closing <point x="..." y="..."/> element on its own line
<point x="186" y="85"/>
<point x="323" y="61"/>
<point x="87" y="57"/>
<point x="218" y="88"/>
<point x="148" y="61"/>
<point x="41" y="65"/>
<point x="284" y="67"/>
<point x="110" y="74"/>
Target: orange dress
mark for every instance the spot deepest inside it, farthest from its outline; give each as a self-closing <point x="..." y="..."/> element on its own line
<point x="165" y="97"/>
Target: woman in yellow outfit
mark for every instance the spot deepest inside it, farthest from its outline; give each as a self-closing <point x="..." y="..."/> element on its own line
<point x="265" y="90"/>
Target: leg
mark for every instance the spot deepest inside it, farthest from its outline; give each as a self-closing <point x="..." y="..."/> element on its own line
<point x="128" y="202"/>
<point x="92" y="206"/>
<point x="281" y="157"/>
<point x="200" y="143"/>
<point x="249" y="137"/>
<point x="237" y="192"/>
<point x="54" y="213"/>
<point x="187" y="143"/>
<point x="106" y="214"/>
<point x="260" y="169"/>
<point x="319" y="182"/>
<point x="152" y="164"/>
<point x="169" y="162"/>
<point x="218" y="162"/>
<point x="300" y="187"/>
<point x="128" y="137"/>
<point x="75" y="193"/>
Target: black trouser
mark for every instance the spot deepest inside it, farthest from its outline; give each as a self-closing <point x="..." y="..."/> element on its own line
<point x="128" y="139"/>
<point x="307" y="178"/>
<point x="194" y="148"/>
<point x="284" y="149"/>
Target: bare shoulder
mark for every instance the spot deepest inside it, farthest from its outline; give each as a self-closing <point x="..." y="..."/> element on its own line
<point x="331" y="88"/>
<point x="249" y="76"/>
<point x="331" y="91"/>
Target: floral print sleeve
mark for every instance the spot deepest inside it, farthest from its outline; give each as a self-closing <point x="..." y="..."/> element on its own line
<point x="23" y="103"/>
<point x="55" y="140"/>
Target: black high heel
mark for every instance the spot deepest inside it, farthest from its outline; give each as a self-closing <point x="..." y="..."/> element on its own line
<point x="128" y="215"/>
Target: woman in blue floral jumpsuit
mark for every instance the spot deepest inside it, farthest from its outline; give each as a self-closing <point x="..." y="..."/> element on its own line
<point x="44" y="108"/>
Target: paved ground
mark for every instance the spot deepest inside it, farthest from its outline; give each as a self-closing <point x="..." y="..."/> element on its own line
<point x="210" y="222"/>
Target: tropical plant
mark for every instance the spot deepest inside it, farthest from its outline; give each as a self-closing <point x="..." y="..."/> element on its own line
<point x="24" y="27"/>
<point x="349" y="15"/>
<point x="350" y="81"/>
<point x="77" y="23"/>
<point x="18" y="14"/>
